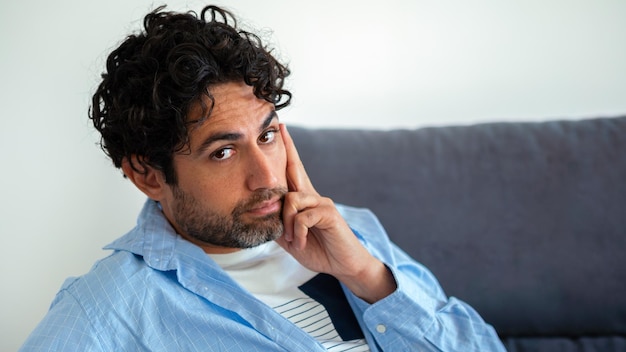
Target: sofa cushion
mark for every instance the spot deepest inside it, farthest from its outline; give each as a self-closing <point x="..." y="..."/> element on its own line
<point x="524" y="221"/>
<point x="567" y="343"/>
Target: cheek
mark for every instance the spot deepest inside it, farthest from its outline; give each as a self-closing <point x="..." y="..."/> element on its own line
<point x="217" y="197"/>
<point x="211" y="190"/>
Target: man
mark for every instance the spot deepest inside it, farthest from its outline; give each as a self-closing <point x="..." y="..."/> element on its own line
<point x="235" y="250"/>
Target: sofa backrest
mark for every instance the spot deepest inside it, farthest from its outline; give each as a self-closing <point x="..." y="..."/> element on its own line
<point x="524" y="221"/>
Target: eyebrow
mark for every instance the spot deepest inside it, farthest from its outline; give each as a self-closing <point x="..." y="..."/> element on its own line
<point x="233" y="136"/>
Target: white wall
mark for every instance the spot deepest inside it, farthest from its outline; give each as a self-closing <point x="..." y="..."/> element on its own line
<point x="397" y="63"/>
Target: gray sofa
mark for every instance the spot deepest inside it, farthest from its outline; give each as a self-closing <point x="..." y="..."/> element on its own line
<point x="524" y="221"/>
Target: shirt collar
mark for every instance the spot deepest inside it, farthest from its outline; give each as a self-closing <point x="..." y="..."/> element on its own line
<point x="157" y="242"/>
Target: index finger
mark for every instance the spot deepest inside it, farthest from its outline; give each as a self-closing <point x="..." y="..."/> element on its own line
<point x="297" y="178"/>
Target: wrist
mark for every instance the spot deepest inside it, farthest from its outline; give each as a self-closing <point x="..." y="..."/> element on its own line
<point x="373" y="283"/>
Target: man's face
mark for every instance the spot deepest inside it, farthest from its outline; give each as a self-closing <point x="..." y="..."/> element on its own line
<point x="232" y="182"/>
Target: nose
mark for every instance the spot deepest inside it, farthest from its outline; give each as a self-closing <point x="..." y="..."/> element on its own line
<point x="260" y="170"/>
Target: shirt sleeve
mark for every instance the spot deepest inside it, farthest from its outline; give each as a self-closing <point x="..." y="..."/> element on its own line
<point x="66" y="327"/>
<point x="418" y="316"/>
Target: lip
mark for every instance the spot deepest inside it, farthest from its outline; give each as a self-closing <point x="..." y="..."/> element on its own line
<point x="267" y="207"/>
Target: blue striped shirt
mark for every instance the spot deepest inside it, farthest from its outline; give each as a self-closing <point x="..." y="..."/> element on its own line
<point x="159" y="292"/>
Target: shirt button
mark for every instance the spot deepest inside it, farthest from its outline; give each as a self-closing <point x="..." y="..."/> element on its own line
<point x="381" y="328"/>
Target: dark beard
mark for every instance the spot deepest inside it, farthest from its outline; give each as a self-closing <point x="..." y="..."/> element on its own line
<point x="228" y="231"/>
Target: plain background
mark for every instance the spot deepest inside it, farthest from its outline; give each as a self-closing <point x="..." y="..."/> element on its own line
<point x="390" y="64"/>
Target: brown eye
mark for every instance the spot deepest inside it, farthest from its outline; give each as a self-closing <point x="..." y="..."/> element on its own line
<point x="267" y="137"/>
<point x="222" y="154"/>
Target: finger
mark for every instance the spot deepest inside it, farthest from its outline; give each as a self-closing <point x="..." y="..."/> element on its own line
<point x="304" y="221"/>
<point x="294" y="203"/>
<point x="297" y="178"/>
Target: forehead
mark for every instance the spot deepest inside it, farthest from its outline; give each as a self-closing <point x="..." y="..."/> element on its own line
<point x="231" y="98"/>
<point x="235" y="108"/>
<point x="234" y="96"/>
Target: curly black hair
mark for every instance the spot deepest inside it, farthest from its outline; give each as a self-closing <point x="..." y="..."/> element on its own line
<point x="154" y="77"/>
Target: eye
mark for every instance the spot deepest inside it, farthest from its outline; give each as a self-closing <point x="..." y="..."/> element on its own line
<point x="222" y="154"/>
<point x="268" y="137"/>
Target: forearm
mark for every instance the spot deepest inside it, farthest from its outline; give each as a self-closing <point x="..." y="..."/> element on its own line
<point x="371" y="284"/>
<point x="418" y="316"/>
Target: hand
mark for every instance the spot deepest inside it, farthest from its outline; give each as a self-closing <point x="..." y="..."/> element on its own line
<point x="318" y="237"/>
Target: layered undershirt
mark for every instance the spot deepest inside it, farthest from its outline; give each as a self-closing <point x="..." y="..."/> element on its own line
<point x="313" y="302"/>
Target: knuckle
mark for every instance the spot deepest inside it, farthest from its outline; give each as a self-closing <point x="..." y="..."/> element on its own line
<point x="328" y="202"/>
<point x="304" y="218"/>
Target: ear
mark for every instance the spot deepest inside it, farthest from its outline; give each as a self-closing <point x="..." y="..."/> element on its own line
<point x="149" y="180"/>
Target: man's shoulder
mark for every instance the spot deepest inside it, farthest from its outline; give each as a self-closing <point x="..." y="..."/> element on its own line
<point x="108" y="306"/>
<point x="108" y="278"/>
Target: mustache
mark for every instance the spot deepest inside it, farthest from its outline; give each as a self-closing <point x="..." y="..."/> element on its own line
<point x="259" y="196"/>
